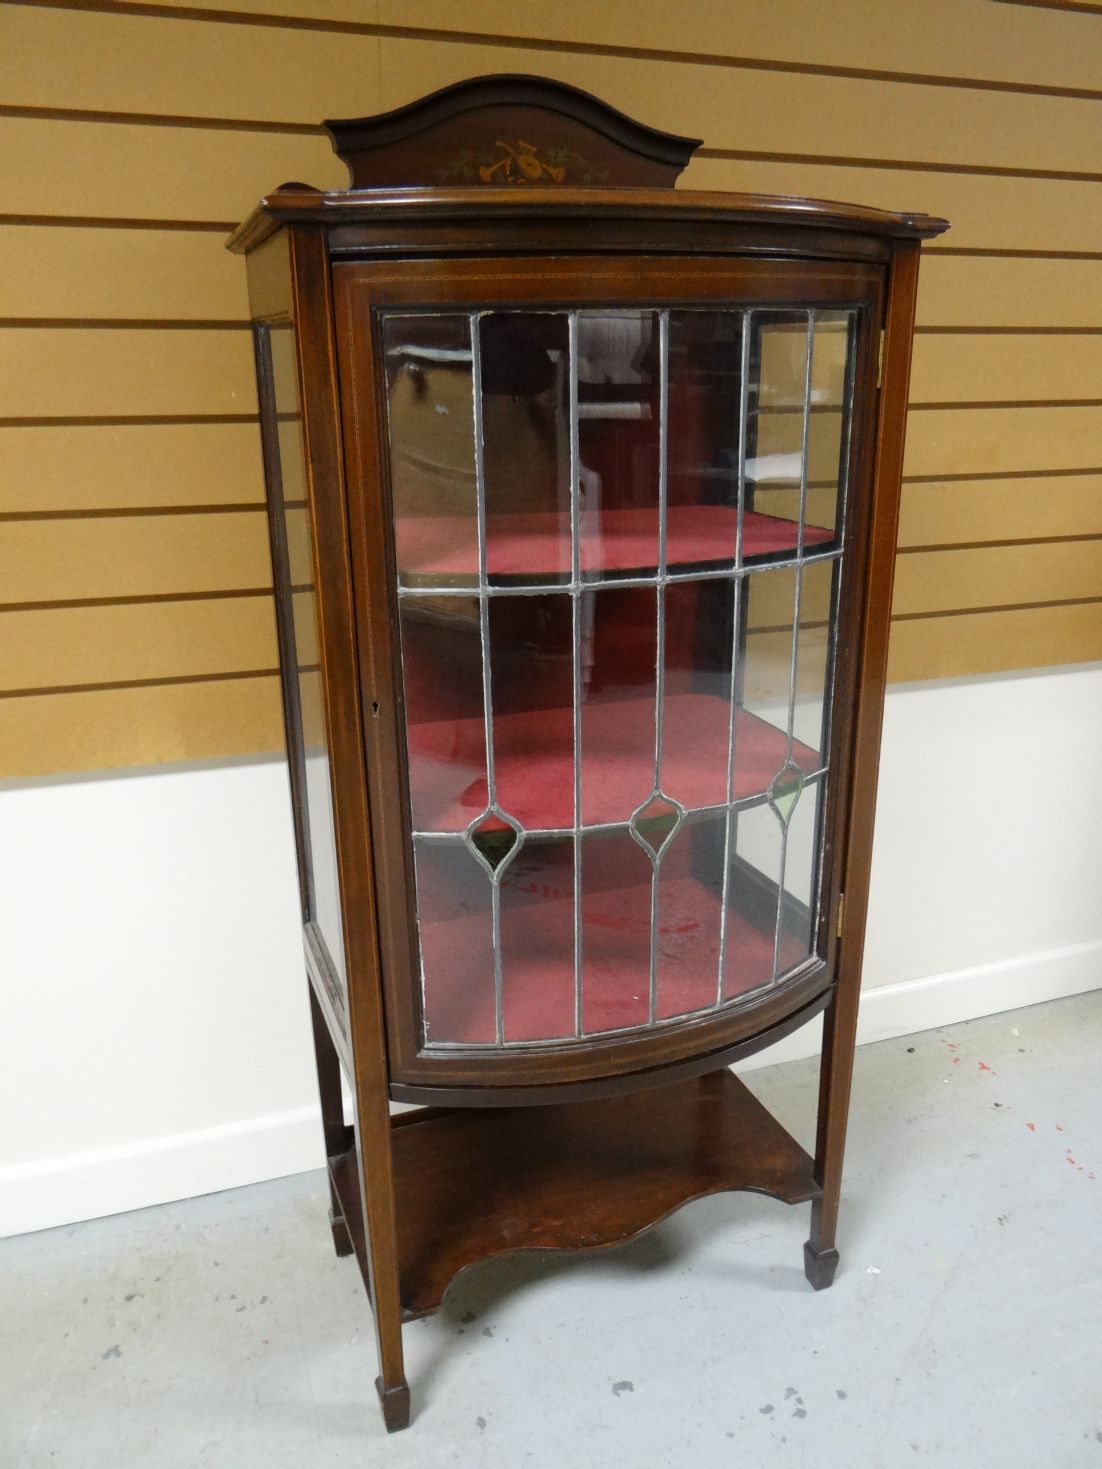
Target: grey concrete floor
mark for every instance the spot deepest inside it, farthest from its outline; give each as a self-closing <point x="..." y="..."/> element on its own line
<point x="965" y="1326"/>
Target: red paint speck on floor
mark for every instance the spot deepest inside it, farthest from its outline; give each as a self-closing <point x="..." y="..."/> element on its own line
<point x="1032" y="1126"/>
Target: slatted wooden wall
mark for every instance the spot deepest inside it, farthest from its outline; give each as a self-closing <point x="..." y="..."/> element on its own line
<point x="137" y="623"/>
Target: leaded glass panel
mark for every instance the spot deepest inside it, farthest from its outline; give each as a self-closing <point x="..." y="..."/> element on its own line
<point x="618" y="546"/>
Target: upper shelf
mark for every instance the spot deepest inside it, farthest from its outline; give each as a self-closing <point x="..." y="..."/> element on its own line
<point x="617" y="542"/>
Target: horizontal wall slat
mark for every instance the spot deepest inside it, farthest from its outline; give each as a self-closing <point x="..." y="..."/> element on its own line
<point x="48" y="649"/>
<point x="989" y="441"/>
<point x="171" y="555"/>
<point x="993" y="576"/>
<point x="784" y="114"/>
<point x="133" y="371"/>
<point x="130" y="171"/>
<point x="962" y="291"/>
<point x="1000" y="509"/>
<point x="105" y="466"/>
<point x="165" y="274"/>
<point x="1020" y="48"/>
<point x="986" y="369"/>
<point x="66" y="560"/>
<point x="169" y="66"/>
<point x="988" y="213"/>
<point x="223" y="718"/>
<point x="49" y="733"/>
<point x="994" y="642"/>
<point x="103" y="170"/>
<point x="841" y="33"/>
<point x="63" y="371"/>
<point x="66" y="372"/>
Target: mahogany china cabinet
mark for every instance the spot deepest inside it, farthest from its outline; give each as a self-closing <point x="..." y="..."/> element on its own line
<point x="582" y="496"/>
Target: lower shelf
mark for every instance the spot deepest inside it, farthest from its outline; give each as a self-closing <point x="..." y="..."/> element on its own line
<point x="474" y="1183"/>
<point x="534" y="761"/>
<point x="538" y="984"/>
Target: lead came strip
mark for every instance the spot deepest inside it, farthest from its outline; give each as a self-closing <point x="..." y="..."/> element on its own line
<point x="736" y="628"/>
<point x="484" y="652"/>
<point x="746" y="803"/>
<point x="840" y="519"/>
<point x="576" y="655"/>
<point x="660" y="646"/>
<point x="719" y="573"/>
<point x="804" y="447"/>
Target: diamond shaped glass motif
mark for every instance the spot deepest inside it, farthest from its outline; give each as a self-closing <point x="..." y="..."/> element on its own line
<point x="785" y="790"/>
<point x="494" y="838"/>
<point x="653" y="823"/>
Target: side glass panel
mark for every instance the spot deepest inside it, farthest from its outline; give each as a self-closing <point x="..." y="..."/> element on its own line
<point x="618" y="542"/>
<point x="296" y="611"/>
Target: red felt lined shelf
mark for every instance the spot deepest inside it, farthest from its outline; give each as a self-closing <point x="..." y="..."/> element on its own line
<point x="534" y="761"/>
<point x="537" y="544"/>
<point x="538" y="956"/>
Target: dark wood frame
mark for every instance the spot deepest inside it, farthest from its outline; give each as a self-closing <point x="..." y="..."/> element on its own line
<point x="589" y="1134"/>
<point x="361" y="291"/>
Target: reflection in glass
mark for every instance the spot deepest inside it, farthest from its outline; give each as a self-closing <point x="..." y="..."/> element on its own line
<point x="537" y="942"/>
<point x="689" y="926"/>
<point x="432" y="472"/>
<point x="293" y="569"/>
<point x="524" y="410"/>
<point x="455" y="928"/>
<point x="791" y="363"/>
<point x="445" y="728"/>
<point x="814" y="662"/>
<point x="753" y="881"/>
<point x="616" y="882"/>
<point x="801" y="878"/>
<point x="616" y="699"/>
<point x="616" y="634"/>
<point x="618" y="421"/>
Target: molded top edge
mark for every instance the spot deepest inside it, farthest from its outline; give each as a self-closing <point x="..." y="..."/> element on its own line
<point x="298" y="203"/>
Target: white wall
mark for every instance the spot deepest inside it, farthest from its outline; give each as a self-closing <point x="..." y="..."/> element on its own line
<point x="154" y="1041"/>
<point x="154" y="1034"/>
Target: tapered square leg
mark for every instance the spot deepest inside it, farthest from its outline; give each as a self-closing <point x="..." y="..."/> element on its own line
<point x="820" y="1265"/>
<point x="395" y="1403"/>
<point x="835" y="1078"/>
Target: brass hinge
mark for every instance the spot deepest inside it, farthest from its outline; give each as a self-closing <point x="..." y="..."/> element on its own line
<point x="880" y="360"/>
<point x="838" y="923"/>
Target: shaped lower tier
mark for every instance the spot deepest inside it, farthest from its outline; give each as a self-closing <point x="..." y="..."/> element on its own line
<point x="534" y="761"/>
<point x="478" y="1182"/>
<point x="537" y="544"/>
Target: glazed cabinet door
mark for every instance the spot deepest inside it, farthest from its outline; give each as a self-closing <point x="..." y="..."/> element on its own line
<point x="611" y="523"/>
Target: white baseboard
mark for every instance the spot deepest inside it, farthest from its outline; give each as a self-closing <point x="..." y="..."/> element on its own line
<point x="88" y="1185"/>
<point x="891" y="1010"/>
<point x="103" y="1181"/>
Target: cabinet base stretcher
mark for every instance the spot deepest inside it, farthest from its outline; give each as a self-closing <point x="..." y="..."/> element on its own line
<point x="474" y="1183"/>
